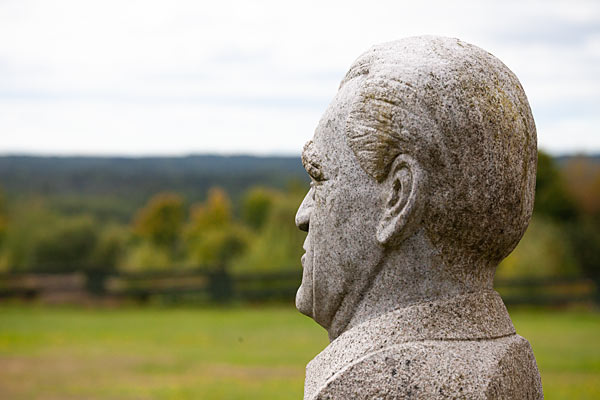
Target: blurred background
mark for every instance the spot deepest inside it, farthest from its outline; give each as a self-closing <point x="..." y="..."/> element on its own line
<point x="150" y="173"/>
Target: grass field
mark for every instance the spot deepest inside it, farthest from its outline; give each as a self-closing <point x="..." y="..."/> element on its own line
<point x="234" y="353"/>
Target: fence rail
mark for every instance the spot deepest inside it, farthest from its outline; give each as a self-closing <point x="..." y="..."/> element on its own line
<point x="193" y="286"/>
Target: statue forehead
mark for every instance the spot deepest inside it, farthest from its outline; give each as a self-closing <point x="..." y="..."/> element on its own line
<point x="330" y="130"/>
<point x="329" y="145"/>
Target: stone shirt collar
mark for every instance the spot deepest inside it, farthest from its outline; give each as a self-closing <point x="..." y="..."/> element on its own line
<point x="471" y="316"/>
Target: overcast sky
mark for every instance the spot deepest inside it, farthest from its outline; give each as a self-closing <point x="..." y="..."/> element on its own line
<point x="179" y="77"/>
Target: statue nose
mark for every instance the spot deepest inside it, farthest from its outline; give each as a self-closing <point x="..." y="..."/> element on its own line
<point x="303" y="214"/>
<point x="303" y="226"/>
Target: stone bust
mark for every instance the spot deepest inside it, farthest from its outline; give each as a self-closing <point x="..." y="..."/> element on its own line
<point x="422" y="180"/>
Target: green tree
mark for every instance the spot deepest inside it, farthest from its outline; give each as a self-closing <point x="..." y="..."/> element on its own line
<point x="584" y="237"/>
<point x="32" y="223"/>
<point x="277" y="245"/>
<point x="213" y="213"/>
<point x="568" y="199"/>
<point x="213" y="237"/>
<point x="66" y="246"/>
<point x="256" y="206"/>
<point x="544" y="252"/>
<point x="551" y="196"/>
<point x="3" y="217"/>
<point x="582" y="178"/>
<point x="110" y="248"/>
<point x="145" y="256"/>
<point x="161" y="220"/>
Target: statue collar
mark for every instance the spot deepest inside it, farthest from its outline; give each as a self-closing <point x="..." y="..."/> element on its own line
<point x="471" y="316"/>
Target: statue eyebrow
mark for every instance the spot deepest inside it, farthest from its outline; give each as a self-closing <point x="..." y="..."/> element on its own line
<point x="312" y="162"/>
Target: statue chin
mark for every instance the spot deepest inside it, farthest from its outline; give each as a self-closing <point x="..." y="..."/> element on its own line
<point x="304" y="301"/>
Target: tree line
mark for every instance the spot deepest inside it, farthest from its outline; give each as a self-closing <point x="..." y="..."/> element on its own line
<point x="253" y="230"/>
<point x="166" y="233"/>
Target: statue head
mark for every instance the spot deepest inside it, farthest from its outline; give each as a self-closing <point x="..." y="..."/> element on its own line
<point x="423" y="178"/>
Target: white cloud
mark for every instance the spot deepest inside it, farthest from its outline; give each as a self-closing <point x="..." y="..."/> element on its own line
<point x="69" y="127"/>
<point x="141" y="77"/>
<point x="570" y="136"/>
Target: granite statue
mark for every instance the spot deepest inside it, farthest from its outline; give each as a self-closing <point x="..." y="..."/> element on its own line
<point x="422" y="180"/>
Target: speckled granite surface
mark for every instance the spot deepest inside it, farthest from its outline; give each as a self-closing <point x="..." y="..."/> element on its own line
<point x="463" y="347"/>
<point x="423" y="180"/>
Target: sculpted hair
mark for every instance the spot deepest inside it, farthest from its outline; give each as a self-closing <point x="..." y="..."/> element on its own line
<point x="463" y="115"/>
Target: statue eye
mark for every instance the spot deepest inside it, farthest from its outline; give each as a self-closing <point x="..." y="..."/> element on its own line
<point x="315" y="173"/>
<point x="314" y="170"/>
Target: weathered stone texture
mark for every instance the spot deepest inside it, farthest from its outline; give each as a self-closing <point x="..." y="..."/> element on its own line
<point x="423" y="170"/>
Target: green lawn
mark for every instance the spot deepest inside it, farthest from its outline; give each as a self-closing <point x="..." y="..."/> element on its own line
<point x="236" y="353"/>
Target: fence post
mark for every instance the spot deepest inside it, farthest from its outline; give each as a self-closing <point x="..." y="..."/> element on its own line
<point x="220" y="285"/>
<point x="95" y="281"/>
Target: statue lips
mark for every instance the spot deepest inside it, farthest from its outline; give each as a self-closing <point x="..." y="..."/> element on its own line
<point x="305" y="293"/>
<point x="304" y="247"/>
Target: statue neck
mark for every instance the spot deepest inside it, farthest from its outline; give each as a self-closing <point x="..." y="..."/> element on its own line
<point x="412" y="273"/>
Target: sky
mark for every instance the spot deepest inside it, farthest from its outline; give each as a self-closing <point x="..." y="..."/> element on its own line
<point x="178" y="77"/>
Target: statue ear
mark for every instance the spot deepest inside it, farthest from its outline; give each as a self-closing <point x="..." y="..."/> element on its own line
<point x="404" y="201"/>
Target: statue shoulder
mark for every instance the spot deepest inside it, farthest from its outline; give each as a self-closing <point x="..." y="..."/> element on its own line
<point x="516" y="375"/>
<point x="440" y="370"/>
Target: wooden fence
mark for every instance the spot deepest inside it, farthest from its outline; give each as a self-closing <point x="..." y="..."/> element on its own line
<point x="201" y="287"/>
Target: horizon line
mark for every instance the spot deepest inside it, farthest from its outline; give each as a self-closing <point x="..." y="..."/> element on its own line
<point x="149" y="155"/>
<point x="33" y="154"/>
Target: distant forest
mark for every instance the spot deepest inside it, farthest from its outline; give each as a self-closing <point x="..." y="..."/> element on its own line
<point x="236" y="214"/>
<point x="114" y="187"/>
<point x="139" y="178"/>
